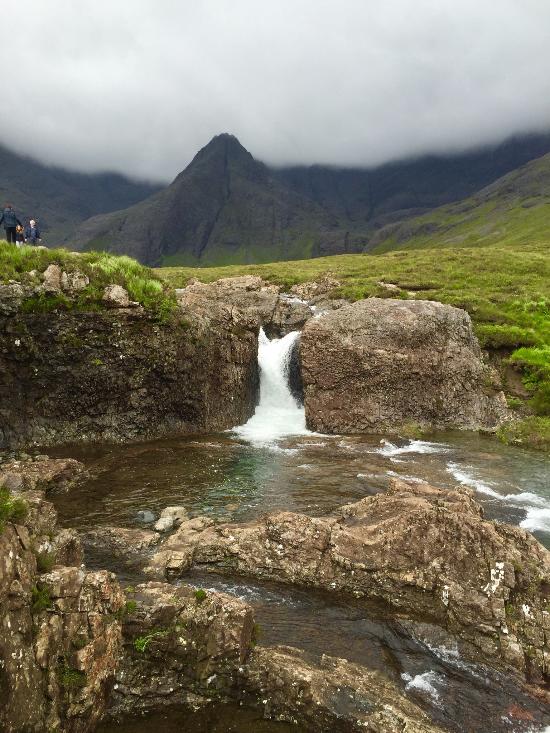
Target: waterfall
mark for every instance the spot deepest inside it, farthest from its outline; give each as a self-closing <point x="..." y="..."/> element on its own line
<point x="277" y="414"/>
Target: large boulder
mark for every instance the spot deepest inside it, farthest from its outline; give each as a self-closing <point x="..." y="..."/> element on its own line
<point x="426" y="553"/>
<point x="381" y="364"/>
<point x="177" y="640"/>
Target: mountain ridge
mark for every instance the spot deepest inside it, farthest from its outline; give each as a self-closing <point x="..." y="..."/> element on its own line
<point x="227" y="207"/>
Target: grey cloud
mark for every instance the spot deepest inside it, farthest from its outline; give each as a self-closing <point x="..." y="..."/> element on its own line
<point x="138" y="86"/>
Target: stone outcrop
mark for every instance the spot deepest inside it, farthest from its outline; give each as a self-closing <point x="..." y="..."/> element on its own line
<point x="381" y="364"/>
<point x="42" y="473"/>
<point x="261" y="301"/>
<point x="426" y="553"/>
<point x="60" y="636"/>
<point x="119" y="374"/>
<point x="335" y="695"/>
<point x="184" y="646"/>
<point x="178" y="641"/>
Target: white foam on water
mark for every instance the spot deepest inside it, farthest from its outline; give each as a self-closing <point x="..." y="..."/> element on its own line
<point x="405" y="477"/>
<point x="414" y="446"/>
<point x="425" y="682"/>
<point x="537" y="507"/>
<point x="277" y="415"/>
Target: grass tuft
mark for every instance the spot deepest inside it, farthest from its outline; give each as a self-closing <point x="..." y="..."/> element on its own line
<point x="12" y="509"/>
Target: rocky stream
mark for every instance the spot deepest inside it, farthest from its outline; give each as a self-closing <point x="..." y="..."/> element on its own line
<point x="289" y="562"/>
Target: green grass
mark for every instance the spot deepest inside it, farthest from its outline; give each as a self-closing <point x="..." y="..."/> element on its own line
<point x="12" y="509"/>
<point x="41" y="599"/>
<point x="200" y="595"/>
<point x="532" y="431"/>
<point x="143" y="285"/>
<point x="505" y="289"/>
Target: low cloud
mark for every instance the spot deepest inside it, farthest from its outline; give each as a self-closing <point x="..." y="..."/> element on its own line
<point x="138" y="86"/>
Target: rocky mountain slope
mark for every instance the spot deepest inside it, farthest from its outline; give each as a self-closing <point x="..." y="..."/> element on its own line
<point x="514" y="209"/>
<point x="60" y="199"/>
<point x="226" y="207"/>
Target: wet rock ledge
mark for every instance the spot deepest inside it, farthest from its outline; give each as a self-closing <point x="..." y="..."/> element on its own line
<point x="426" y="553"/>
<point x="75" y="650"/>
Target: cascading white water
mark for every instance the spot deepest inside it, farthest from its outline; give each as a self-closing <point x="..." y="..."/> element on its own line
<point x="277" y="414"/>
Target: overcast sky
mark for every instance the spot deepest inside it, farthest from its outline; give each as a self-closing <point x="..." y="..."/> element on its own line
<point x="138" y="86"/>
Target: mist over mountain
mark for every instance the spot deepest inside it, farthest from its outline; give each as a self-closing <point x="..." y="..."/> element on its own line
<point x="60" y="199"/>
<point x="226" y="207"/>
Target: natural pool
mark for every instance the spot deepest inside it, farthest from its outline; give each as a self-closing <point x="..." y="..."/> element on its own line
<point x="273" y="463"/>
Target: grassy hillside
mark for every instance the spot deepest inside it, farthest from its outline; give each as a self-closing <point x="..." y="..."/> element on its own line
<point x="514" y="210"/>
<point x="505" y="288"/>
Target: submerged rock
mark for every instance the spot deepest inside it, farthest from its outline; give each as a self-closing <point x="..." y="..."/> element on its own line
<point x="144" y="516"/>
<point x="381" y="364"/>
<point x="426" y="553"/>
<point x="171" y="517"/>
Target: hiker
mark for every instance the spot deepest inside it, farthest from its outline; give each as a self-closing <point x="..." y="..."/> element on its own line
<point x="19" y="235"/>
<point x="32" y="234"/>
<point x="10" y="221"/>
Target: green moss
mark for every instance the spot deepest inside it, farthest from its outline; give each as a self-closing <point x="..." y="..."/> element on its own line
<point x="12" y="509"/>
<point x="411" y="430"/>
<point x="514" y="403"/>
<point x="142" y="642"/>
<point x="200" y="595"/>
<point x="256" y="634"/>
<point x="45" y="561"/>
<point x="41" y="600"/>
<point x="498" y="336"/>
<point x="79" y="642"/>
<point x="46" y="303"/>
<point x="72" y="679"/>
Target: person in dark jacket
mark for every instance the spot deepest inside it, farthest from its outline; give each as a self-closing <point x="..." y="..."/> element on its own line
<point x="32" y="233"/>
<point x="10" y="221"/>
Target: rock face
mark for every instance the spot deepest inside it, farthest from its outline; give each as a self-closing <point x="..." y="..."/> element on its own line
<point x="182" y="646"/>
<point x="179" y="641"/>
<point x="334" y="696"/>
<point x="119" y="374"/>
<point x="380" y="364"/>
<point x="59" y="634"/>
<point x="259" y="300"/>
<point x="426" y="553"/>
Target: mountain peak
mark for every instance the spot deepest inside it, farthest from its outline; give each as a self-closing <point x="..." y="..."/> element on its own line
<point x="225" y="152"/>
